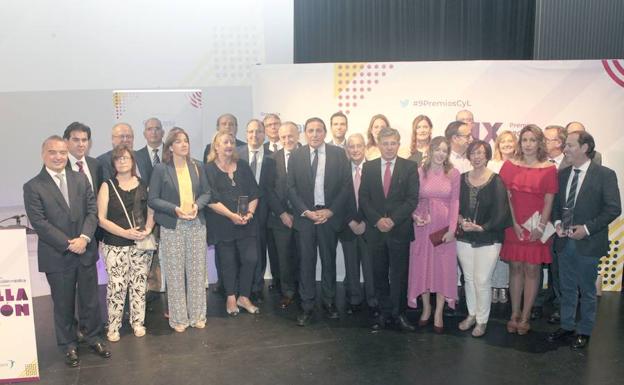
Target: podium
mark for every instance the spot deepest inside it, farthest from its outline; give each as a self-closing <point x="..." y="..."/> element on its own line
<point x="18" y="356"/>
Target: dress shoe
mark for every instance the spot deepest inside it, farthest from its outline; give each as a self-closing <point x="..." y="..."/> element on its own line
<point x="330" y="311"/>
<point x="448" y="312"/>
<point x="559" y="334"/>
<point x="467" y="323"/>
<point x="374" y="311"/>
<point x="580" y="341"/>
<point x="503" y="295"/>
<point x="378" y="323"/>
<point x="304" y="318"/>
<point x="438" y="329"/>
<point x="554" y="318"/>
<point x="536" y="313"/>
<point x="100" y="349"/>
<point x="71" y="358"/>
<point x="351" y="309"/>
<point x="404" y="324"/>
<point x="285" y="302"/>
<point x="495" y="293"/>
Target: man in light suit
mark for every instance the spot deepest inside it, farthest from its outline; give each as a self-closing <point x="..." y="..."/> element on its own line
<point x="151" y="154"/>
<point x="263" y="168"/>
<point x="319" y="182"/>
<point x="388" y="196"/>
<point x="587" y="202"/>
<point x="61" y="207"/>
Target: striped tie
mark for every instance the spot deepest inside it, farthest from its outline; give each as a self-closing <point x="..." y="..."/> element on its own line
<point x="568" y="213"/>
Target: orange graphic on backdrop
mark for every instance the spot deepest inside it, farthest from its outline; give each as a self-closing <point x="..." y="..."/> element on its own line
<point x="352" y="81"/>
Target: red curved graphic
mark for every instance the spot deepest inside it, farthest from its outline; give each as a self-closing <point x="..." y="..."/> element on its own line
<point x="612" y="74"/>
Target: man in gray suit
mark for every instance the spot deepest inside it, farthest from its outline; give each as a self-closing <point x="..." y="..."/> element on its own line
<point x="61" y="207"/>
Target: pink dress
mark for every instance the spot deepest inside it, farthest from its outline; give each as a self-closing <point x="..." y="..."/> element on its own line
<point x="527" y="186"/>
<point x="434" y="269"/>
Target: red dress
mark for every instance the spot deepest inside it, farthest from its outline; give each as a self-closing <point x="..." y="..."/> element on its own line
<point x="527" y="187"/>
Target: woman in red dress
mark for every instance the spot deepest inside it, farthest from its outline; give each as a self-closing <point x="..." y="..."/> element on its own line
<point x="531" y="183"/>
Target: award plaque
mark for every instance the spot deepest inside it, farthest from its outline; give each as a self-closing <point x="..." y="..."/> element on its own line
<point x="243" y="205"/>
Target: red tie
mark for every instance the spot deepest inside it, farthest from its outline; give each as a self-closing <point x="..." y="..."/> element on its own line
<point x="387" y="179"/>
<point x="80" y="168"/>
<point x="356" y="185"/>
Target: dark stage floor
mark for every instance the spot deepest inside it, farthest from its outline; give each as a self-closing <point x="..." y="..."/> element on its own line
<point x="271" y="349"/>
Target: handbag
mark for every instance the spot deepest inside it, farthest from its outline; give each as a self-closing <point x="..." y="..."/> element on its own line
<point x="146" y="244"/>
<point x="436" y="236"/>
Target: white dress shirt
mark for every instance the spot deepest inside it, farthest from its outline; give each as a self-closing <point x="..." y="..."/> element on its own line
<point x="460" y="162"/>
<point x="85" y="167"/>
<point x="319" y="182"/>
<point x="259" y="157"/>
<point x="272" y="146"/>
<point x="383" y="167"/>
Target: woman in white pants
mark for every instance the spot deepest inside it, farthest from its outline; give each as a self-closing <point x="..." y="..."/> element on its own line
<point x="484" y="214"/>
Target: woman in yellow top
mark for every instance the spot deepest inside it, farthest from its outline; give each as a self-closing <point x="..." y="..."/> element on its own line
<point x="178" y="193"/>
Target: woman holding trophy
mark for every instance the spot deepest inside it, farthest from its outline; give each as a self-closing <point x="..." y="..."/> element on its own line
<point x="231" y="224"/>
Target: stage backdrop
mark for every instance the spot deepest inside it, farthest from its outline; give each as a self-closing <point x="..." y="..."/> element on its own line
<point x="501" y="94"/>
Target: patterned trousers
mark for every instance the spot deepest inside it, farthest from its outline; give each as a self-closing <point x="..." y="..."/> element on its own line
<point x="127" y="269"/>
<point x="183" y="256"/>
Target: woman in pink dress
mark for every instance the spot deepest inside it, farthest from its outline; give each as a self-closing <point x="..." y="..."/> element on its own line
<point x="531" y="183"/>
<point x="433" y="269"/>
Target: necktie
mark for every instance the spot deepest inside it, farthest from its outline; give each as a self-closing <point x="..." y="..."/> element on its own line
<point x="63" y="187"/>
<point x="568" y="213"/>
<point x="314" y="164"/>
<point x="80" y="166"/>
<point x="156" y="158"/>
<point x="356" y="185"/>
<point x="387" y="179"/>
<point x="274" y="147"/>
<point x="254" y="163"/>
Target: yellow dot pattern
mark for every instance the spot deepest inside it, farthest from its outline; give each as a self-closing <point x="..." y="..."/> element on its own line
<point x="611" y="266"/>
<point x="344" y="73"/>
<point x="30" y="370"/>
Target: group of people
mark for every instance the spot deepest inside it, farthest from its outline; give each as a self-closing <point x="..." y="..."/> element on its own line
<point x="404" y="215"/>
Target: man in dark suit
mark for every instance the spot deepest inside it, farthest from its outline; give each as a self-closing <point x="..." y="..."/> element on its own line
<point x="587" y="202"/>
<point x="61" y="207"/>
<point x="353" y="237"/>
<point x="122" y="133"/>
<point x="263" y="168"/>
<point x="339" y="125"/>
<point x="225" y="122"/>
<point x="388" y="196"/>
<point x="555" y="140"/>
<point x="151" y="154"/>
<point x="272" y="124"/>
<point x="281" y="218"/>
<point x="78" y="139"/>
<point x="319" y="182"/>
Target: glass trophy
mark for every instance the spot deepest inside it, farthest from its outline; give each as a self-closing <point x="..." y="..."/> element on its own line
<point x="138" y="219"/>
<point x="567" y="217"/>
<point x="243" y="205"/>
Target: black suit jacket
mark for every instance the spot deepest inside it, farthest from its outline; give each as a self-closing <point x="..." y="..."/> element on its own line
<point x="95" y="169"/>
<point x="278" y="195"/>
<point x="144" y="163"/>
<point x="401" y="201"/>
<point x="164" y="192"/>
<point x="337" y="185"/>
<point x="352" y="211"/>
<point x="267" y="180"/>
<point x="597" y="205"/>
<point x="56" y="223"/>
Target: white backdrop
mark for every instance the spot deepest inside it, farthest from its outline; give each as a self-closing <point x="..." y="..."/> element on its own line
<point x="501" y="94"/>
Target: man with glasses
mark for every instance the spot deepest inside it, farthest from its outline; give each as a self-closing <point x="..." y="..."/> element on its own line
<point x="151" y="154"/>
<point x="459" y="136"/>
<point x="121" y="134"/>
